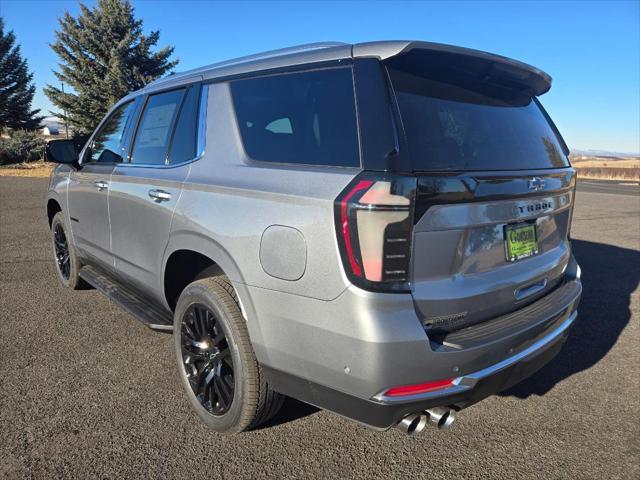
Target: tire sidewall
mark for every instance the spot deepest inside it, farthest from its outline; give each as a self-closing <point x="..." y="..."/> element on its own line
<point x="199" y="293"/>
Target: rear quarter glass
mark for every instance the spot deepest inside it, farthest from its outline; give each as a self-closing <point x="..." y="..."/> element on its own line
<point x="306" y="118"/>
<point x="454" y="122"/>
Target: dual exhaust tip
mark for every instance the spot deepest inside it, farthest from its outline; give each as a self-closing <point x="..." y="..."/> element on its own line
<point x="440" y="417"/>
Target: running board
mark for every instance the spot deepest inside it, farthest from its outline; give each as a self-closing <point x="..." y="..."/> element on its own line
<point x="154" y="317"/>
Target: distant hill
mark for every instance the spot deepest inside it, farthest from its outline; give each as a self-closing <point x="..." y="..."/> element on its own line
<point x="603" y="153"/>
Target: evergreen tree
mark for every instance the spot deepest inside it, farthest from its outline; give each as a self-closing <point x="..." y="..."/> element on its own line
<point x="103" y="56"/>
<point x="16" y="86"/>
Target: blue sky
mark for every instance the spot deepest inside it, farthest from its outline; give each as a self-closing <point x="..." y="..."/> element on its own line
<point x="590" y="48"/>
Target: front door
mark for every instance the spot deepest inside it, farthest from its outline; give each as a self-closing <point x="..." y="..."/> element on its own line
<point x="89" y="188"/>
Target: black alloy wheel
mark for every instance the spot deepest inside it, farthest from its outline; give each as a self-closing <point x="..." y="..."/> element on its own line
<point x="62" y="251"/>
<point x="207" y="359"/>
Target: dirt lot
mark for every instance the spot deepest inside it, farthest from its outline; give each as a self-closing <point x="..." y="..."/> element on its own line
<point x="88" y="392"/>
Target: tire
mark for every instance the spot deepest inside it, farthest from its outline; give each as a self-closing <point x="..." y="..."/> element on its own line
<point x="67" y="263"/>
<point x="208" y="366"/>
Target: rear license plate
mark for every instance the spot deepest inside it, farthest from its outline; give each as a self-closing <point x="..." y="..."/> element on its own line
<point x="521" y="241"/>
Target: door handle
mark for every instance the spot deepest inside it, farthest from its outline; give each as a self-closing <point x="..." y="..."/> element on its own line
<point x="159" y="195"/>
<point x="101" y="184"/>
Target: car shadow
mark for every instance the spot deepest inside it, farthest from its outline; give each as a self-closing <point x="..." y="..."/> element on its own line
<point x="291" y="410"/>
<point x="609" y="275"/>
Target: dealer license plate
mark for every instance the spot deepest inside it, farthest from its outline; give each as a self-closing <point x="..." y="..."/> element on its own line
<point x="521" y="241"/>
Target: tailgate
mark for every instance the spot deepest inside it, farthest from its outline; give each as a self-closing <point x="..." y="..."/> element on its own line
<point x="461" y="273"/>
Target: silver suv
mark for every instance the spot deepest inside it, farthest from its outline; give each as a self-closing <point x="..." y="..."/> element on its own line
<point x="380" y="229"/>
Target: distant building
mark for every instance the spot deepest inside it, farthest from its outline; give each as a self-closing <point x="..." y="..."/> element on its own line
<point x="51" y="131"/>
<point x="53" y="127"/>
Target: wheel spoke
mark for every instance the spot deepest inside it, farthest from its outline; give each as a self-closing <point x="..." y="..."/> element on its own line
<point x="227" y="360"/>
<point x="207" y="320"/>
<point x="190" y="369"/>
<point x="210" y="376"/>
<point x="223" y="397"/>
<point x="187" y="332"/>
<point x="202" y="326"/>
<point x="203" y="322"/>
<point x="224" y="388"/>
<point x="203" y="378"/>
<point x="218" y="338"/>
<point x="213" y="395"/>
<point x="192" y="356"/>
<point x="196" y="322"/>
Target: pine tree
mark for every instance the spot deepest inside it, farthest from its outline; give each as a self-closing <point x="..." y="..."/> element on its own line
<point x="16" y="86"/>
<point x="103" y="56"/>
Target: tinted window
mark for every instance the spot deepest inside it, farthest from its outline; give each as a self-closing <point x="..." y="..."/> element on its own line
<point x="183" y="145"/>
<point x="306" y="118"/>
<point x="106" y="147"/>
<point x="154" y="131"/>
<point x="454" y="123"/>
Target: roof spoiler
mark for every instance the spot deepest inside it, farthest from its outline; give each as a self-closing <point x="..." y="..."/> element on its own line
<point x="519" y="74"/>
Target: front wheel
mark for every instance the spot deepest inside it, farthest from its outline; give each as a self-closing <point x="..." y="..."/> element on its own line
<point x="67" y="262"/>
<point x="218" y="368"/>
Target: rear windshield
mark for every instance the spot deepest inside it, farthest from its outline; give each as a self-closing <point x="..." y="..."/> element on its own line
<point x="455" y="123"/>
<point x="301" y="118"/>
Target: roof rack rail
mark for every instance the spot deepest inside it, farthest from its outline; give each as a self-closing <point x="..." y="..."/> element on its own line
<point x="250" y="58"/>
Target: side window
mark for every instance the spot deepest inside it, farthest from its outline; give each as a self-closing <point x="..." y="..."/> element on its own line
<point x="304" y="118"/>
<point x="151" y="144"/>
<point x="107" y="143"/>
<point x="183" y="145"/>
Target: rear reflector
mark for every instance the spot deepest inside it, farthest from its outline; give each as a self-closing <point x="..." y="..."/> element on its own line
<point x="420" y="388"/>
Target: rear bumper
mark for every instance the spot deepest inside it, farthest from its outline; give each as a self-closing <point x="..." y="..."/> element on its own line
<point x="340" y="355"/>
<point x="382" y="412"/>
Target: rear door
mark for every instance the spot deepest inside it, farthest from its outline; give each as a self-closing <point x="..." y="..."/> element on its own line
<point x="89" y="187"/>
<point x="494" y="197"/>
<point x="144" y="190"/>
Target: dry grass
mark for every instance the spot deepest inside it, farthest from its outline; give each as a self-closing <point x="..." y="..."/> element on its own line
<point x="601" y="163"/>
<point x="607" y="173"/>
<point x="607" y="168"/>
<point x="35" y="169"/>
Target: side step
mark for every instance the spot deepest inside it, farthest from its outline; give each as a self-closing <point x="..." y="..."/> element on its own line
<point x="153" y="316"/>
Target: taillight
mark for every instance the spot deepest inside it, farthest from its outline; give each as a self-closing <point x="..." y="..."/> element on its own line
<point x="374" y="219"/>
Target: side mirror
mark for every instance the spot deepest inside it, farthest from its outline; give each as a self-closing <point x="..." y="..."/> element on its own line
<point x="61" y="151"/>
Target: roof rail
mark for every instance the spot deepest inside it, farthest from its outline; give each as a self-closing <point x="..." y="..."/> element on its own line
<point x="250" y="58"/>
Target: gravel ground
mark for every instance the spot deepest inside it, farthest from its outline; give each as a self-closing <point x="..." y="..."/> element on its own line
<point x="86" y="391"/>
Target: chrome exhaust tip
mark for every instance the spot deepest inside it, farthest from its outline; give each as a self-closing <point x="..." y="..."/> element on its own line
<point x="412" y="424"/>
<point x="441" y="417"/>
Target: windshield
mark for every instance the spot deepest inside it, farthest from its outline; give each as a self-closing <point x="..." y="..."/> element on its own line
<point x="454" y="122"/>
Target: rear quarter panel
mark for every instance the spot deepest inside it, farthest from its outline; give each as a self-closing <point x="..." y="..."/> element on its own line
<point x="231" y="200"/>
